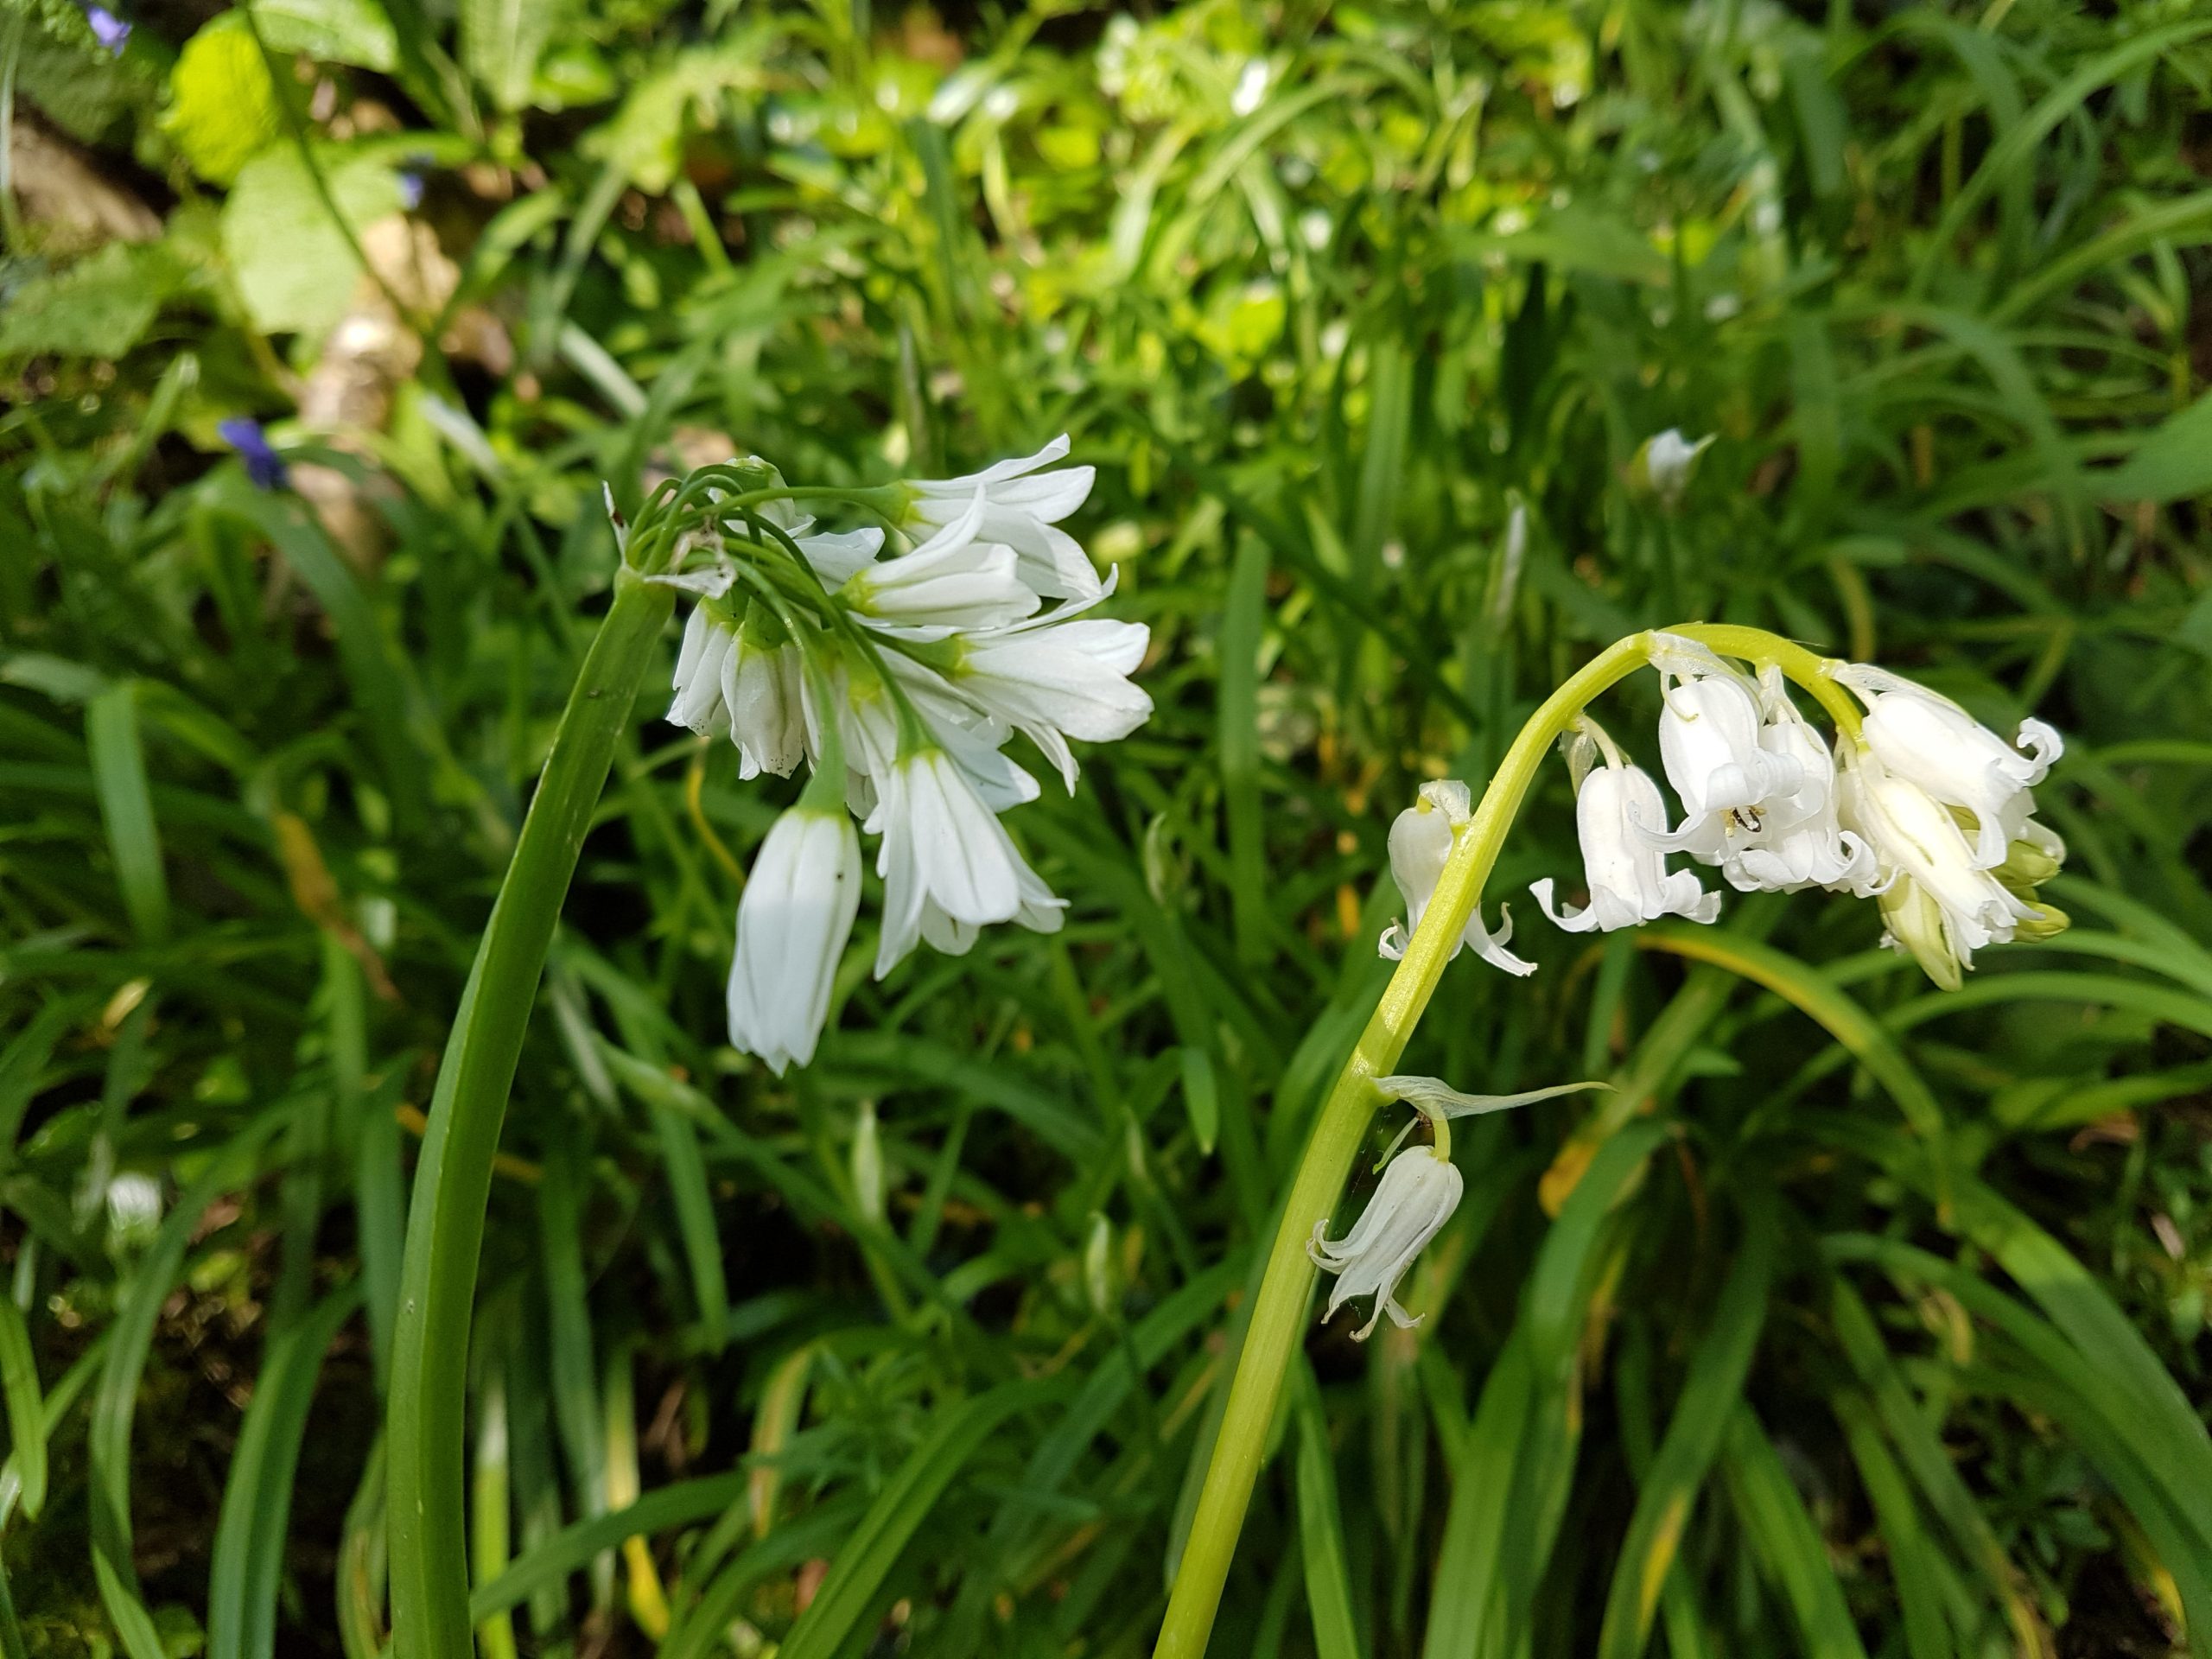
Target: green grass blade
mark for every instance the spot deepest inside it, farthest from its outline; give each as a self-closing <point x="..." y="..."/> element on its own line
<point x="251" y="1525"/>
<point x="26" y="1409"/>
<point x="1320" y="1526"/>
<point x="127" y="809"/>
<point x="1781" y="1535"/>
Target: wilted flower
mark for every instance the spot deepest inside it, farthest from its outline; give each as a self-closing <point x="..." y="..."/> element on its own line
<point x="1617" y="817"/>
<point x="1417" y="1195"/>
<point x="793" y="921"/>
<point x="1421" y="840"/>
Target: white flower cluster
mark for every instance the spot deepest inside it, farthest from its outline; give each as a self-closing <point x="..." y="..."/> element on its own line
<point x="926" y="662"/>
<point x="1928" y="812"/>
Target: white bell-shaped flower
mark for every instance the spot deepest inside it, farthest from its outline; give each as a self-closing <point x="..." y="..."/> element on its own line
<point x="1932" y="742"/>
<point x="1417" y="1194"/>
<point x="1794" y="841"/>
<point x="1421" y="839"/>
<point x="1709" y="731"/>
<point x="728" y="685"/>
<point x="1617" y="817"/>
<point x="1665" y="461"/>
<point x="1021" y="507"/>
<point x="1052" y="680"/>
<point x="792" y="922"/>
<point x="952" y="582"/>
<point x="1941" y="904"/>
<point x="944" y="847"/>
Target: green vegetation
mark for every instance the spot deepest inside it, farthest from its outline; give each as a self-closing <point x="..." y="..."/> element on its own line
<point x="1859" y="1318"/>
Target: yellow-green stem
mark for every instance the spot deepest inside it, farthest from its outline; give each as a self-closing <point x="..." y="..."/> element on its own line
<point x="1279" y="1314"/>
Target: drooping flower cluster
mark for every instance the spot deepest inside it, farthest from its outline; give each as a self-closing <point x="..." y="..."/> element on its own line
<point x="899" y="679"/>
<point x="1927" y="811"/>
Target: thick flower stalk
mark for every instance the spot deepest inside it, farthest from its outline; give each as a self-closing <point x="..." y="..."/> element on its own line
<point x="1915" y="806"/>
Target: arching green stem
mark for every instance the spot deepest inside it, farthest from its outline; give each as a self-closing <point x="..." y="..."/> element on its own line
<point x="1279" y="1315"/>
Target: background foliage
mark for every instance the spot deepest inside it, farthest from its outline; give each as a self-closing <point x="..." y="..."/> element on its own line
<point x="1861" y="1321"/>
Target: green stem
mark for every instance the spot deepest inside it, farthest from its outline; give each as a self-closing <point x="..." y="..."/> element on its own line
<point x="445" y="1228"/>
<point x="1279" y="1314"/>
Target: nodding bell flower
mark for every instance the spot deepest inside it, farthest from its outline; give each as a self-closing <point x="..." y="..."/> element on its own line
<point x="1664" y="464"/>
<point x="1710" y="733"/>
<point x="1618" y="816"/>
<point x="1052" y="680"/>
<point x="904" y="718"/>
<point x="1932" y="742"/>
<point x="1418" y="1193"/>
<point x="1939" y="904"/>
<point x="951" y="583"/>
<point x="947" y="865"/>
<point x="1794" y="841"/>
<point x="792" y="922"/>
<point x="1421" y="840"/>
<point x="1021" y="505"/>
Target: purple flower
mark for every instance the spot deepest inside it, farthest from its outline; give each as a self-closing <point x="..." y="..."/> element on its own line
<point x="411" y="191"/>
<point x="110" y="30"/>
<point x="263" y="464"/>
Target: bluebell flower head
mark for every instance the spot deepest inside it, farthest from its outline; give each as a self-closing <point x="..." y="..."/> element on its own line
<point x="263" y="464"/>
<point x="110" y="30"/>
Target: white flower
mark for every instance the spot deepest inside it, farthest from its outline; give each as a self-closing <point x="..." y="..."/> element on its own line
<point x="1932" y="742"/>
<point x="952" y="582"/>
<point x="1054" y="680"/>
<point x="1021" y="505"/>
<point x="1417" y="1195"/>
<point x="1942" y="905"/>
<point x="1616" y="816"/>
<point x="946" y="861"/>
<point x="1421" y="840"/>
<point x="1666" y="459"/>
<point x="793" y="921"/>
<point x="1793" y="841"/>
<point x="728" y="683"/>
<point x="1709" y="732"/>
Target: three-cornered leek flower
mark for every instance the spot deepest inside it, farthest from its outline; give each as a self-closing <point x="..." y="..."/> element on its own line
<point x="1421" y="840"/>
<point x="1021" y="508"/>
<point x="1418" y="1193"/>
<point x="1931" y="741"/>
<point x="900" y="677"/>
<point x="1618" y="817"/>
<point x="792" y="922"/>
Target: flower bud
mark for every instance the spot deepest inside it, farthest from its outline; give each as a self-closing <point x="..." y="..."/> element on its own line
<point x="867" y="1165"/>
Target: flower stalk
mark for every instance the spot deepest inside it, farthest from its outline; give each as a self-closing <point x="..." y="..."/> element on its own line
<point x="1278" y="1314"/>
<point x="1278" y="1323"/>
<point x="427" y="1528"/>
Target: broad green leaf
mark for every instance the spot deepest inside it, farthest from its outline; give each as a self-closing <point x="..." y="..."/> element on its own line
<point x="222" y="104"/>
<point x="100" y="307"/>
<point x="331" y="31"/>
<point x="295" y="268"/>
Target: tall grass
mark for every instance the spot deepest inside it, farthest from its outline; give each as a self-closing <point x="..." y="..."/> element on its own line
<point x="1859" y="1318"/>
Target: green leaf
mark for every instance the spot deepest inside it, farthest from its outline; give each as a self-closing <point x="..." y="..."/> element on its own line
<point x="1321" y="1526"/>
<point x="2172" y="463"/>
<point x="501" y="41"/>
<point x="26" y="1410"/>
<point x="127" y="807"/>
<point x="222" y="104"/>
<point x="848" y="1590"/>
<point x="297" y="270"/>
<point x="331" y="31"/>
<point x="251" y="1530"/>
<point x="100" y="306"/>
